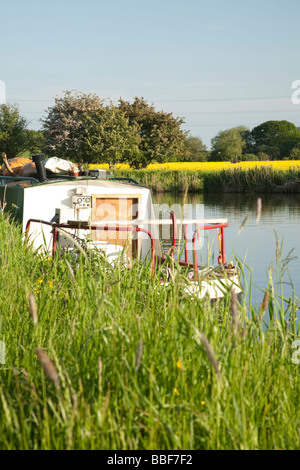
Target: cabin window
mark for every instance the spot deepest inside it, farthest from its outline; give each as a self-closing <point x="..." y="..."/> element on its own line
<point x="113" y="208"/>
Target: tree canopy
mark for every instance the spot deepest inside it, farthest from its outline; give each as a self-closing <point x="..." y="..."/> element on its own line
<point x="13" y="137"/>
<point x="276" y="138"/>
<point x="196" y="150"/>
<point x="161" y="136"/>
<point x="229" y="144"/>
<point x="34" y="141"/>
<point x="110" y="137"/>
<point x="80" y="128"/>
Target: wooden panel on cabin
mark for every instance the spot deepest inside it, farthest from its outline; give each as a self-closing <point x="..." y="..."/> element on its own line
<point x="116" y="208"/>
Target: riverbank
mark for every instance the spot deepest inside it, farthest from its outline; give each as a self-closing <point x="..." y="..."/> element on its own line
<point x="216" y="177"/>
<point x="264" y="179"/>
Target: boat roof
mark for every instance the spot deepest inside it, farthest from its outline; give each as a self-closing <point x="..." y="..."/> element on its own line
<point x="29" y="182"/>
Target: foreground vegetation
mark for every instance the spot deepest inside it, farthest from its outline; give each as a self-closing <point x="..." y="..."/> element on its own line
<point x="109" y="359"/>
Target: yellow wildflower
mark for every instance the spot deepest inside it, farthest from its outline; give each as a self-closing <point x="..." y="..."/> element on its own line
<point x="50" y="284"/>
<point x="176" y="391"/>
<point x="40" y="281"/>
<point x="203" y="402"/>
<point x="211" y="166"/>
<point x="178" y="364"/>
<point x="217" y="166"/>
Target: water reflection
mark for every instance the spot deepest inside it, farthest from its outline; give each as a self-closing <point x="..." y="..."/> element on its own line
<point x="232" y="203"/>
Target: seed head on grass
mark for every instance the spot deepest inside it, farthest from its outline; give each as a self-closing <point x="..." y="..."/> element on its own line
<point x="201" y="338"/>
<point x="100" y="366"/>
<point x="70" y="269"/>
<point x="48" y="366"/>
<point x="243" y="223"/>
<point x="264" y="304"/>
<point x="209" y="352"/>
<point x="234" y="311"/>
<point x="32" y="308"/>
<point x="270" y="270"/>
<point x="277" y="247"/>
<point x="211" y="355"/>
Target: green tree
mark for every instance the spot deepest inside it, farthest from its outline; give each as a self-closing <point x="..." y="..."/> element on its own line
<point x="161" y="136"/>
<point x="35" y="141"/>
<point x="80" y="128"/>
<point x="110" y="138"/>
<point x="275" y="138"/>
<point x="229" y="144"/>
<point x="196" y="150"/>
<point x="295" y="152"/>
<point x="64" y="129"/>
<point x="12" y="130"/>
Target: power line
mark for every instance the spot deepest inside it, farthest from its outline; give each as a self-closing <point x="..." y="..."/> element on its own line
<point x="31" y="101"/>
<point x="197" y="100"/>
<point x="224" y="99"/>
<point x="218" y="125"/>
<point x="224" y="125"/>
<point x="239" y="112"/>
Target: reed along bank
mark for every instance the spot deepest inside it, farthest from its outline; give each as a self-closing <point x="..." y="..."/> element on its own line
<point x="217" y="177"/>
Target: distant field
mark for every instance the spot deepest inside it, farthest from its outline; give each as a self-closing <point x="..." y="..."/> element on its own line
<point x="217" y="177"/>
<point x="212" y="166"/>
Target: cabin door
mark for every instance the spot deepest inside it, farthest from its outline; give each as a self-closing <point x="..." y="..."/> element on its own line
<point x="115" y="207"/>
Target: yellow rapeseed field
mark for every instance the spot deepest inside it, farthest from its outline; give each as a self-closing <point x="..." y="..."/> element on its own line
<point x="211" y="166"/>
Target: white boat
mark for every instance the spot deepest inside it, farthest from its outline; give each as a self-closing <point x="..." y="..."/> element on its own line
<point x="114" y="216"/>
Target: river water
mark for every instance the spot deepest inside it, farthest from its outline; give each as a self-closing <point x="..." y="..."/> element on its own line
<point x="256" y="242"/>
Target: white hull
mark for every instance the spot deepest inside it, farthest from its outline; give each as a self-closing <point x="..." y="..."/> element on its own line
<point x="214" y="288"/>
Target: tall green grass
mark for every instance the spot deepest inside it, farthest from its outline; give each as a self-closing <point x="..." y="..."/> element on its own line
<point x="167" y="180"/>
<point x="263" y="179"/>
<point x="140" y="366"/>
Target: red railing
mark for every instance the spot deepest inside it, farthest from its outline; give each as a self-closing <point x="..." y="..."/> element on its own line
<point x="84" y="226"/>
<point x="221" y="238"/>
<point x="221" y="257"/>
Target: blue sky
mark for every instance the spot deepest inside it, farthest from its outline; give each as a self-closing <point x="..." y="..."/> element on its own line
<point x="218" y="64"/>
